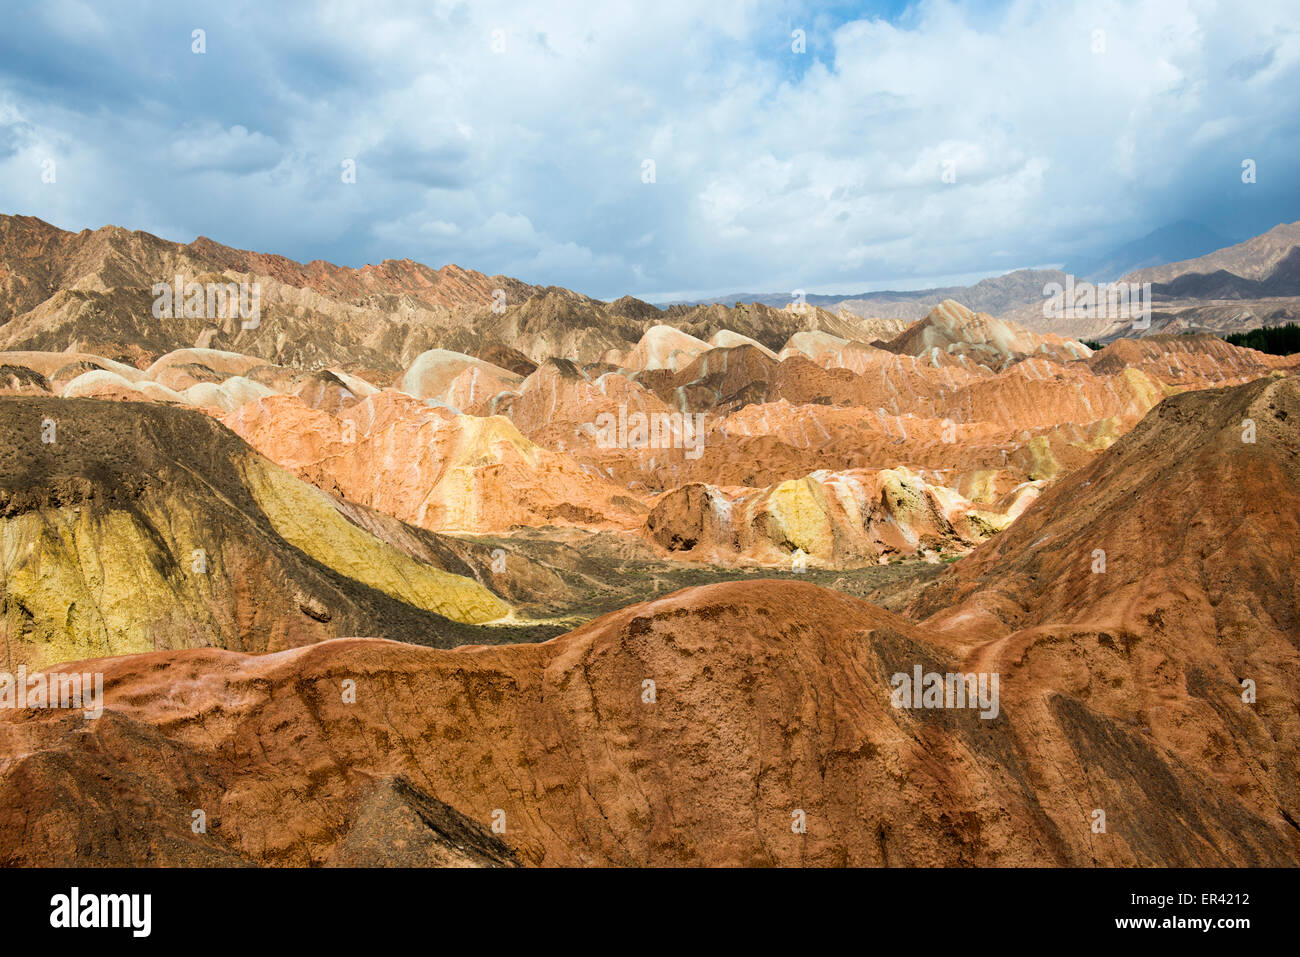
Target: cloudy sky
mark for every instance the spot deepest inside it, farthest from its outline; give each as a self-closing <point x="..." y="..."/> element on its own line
<point x="662" y="149"/>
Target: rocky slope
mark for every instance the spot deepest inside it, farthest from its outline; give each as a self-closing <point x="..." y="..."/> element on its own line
<point x="1157" y="582"/>
<point x="92" y="291"/>
<point x="700" y="727"/>
<point x="736" y="724"/>
<point x="1231" y="290"/>
<point x="1257" y="258"/>
<point x="439" y="470"/>
<point x="129" y="527"/>
<point x="972" y="405"/>
<point x="829" y="518"/>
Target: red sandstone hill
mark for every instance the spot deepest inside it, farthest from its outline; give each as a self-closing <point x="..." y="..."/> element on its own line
<point x="1197" y="595"/>
<point x="1120" y="691"/>
<point x="769" y="698"/>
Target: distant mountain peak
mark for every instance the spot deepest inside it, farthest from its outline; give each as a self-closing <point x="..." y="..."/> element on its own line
<point x="1168" y="243"/>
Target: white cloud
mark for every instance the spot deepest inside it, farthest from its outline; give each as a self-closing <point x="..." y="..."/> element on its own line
<point x="773" y="170"/>
<point x="233" y="150"/>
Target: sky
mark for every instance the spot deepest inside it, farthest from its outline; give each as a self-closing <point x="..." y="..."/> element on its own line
<point x="664" y="150"/>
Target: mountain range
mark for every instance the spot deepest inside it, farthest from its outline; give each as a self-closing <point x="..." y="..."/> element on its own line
<point x="427" y="567"/>
<point x="1200" y="283"/>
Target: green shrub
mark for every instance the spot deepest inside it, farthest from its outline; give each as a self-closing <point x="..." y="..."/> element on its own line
<point x="1275" y="340"/>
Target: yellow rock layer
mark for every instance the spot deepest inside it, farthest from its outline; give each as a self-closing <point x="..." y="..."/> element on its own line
<point x="800" y="512"/>
<point x="79" y="584"/>
<point x="305" y="517"/>
<point x="1045" y="464"/>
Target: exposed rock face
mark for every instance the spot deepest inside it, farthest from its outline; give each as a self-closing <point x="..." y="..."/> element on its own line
<point x="1257" y="258"/>
<point x="93" y="289"/>
<point x="91" y="292"/>
<point x="824" y="403"/>
<point x="773" y="327"/>
<point x="1233" y="289"/>
<point x="952" y="328"/>
<point x="436" y="469"/>
<point x="1185" y="466"/>
<point x="726" y="339"/>
<point x="20" y="380"/>
<point x="1159" y="579"/>
<point x="398" y="825"/>
<point x="560" y="404"/>
<point x="1141" y="616"/>
<point x="829" y="518"/>
<point x="1192" y="361"/>
<point x="129" y="527"/>
<point x="771" y="708"/>
<point x="662" y="347"/>
<point x="457" y="380"/>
